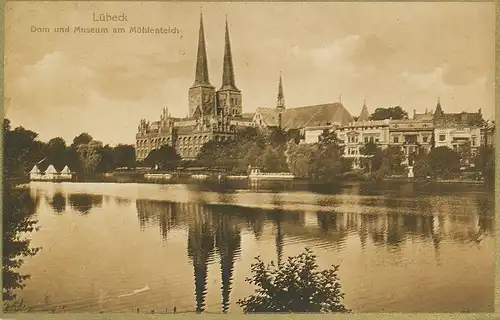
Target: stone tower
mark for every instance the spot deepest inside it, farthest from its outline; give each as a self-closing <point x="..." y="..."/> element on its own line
<point x="228" y="96"/>
<point x="201" y="93"/>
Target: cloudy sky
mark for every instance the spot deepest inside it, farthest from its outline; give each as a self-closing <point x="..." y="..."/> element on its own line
<point x="406" y="54"/>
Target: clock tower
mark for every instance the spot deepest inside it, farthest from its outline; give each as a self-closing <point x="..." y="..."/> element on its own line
<point x="201" y="93"/>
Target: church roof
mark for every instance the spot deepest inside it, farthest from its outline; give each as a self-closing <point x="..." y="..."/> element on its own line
<point x="308" y="116"/>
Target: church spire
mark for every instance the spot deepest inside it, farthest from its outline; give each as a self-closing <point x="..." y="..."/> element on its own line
<point x="281" y="98"/>
<point x="439" y="110"/>
<point x="228" y="81"/>
<point x="364" y="115"/>
<point x="201" y="77"/>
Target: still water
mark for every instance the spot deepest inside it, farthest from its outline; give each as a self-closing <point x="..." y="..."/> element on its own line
<point x="121" y="247"/>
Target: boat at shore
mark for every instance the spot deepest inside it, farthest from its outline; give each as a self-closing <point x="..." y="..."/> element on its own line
<point x="256" y="174"/>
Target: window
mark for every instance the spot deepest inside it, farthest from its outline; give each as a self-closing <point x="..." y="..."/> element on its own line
<point x="366" y="139"/>
<point x="442" y="137"/>
<point x="425" y="139"/>
<point x="371" y="139"/>
<point x="376" y="140"/>
<point x="396" y="140"/>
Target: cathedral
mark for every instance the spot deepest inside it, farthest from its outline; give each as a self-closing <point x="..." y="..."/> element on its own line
<point x="217" y="115"/>
<point x="213" y="114"/>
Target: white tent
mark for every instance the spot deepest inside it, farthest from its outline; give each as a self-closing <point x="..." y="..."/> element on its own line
<point x="51" y="170"/>
<point x="35" y="169"/>
<point x="65" y="170"/>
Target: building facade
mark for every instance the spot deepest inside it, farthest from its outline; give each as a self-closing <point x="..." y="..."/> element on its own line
<point x="213" y="114"/>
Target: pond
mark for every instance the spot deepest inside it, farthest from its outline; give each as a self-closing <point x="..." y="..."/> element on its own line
<point x="119" y="247"/>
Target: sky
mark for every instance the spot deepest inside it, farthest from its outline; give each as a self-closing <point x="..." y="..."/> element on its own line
<point x="406" y="54"/>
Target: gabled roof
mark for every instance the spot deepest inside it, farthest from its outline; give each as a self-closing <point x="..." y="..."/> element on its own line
<point x="309" y="116"/>
<point x="269" y="116"/>
<point x="317" y="115"/>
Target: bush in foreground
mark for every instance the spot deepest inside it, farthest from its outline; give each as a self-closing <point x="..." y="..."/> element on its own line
<point x="295" y="286"/>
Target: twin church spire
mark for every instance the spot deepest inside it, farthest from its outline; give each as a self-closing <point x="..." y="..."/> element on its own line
<point x="201" y="76"/>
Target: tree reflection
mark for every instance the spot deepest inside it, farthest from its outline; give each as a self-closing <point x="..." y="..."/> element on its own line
<point x="165" y="213"/>
<point x="58" y="202"/>
<point x="83" y="202"/>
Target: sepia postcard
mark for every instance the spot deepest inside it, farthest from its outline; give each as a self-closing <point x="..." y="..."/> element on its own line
<point x="174" y="158"/>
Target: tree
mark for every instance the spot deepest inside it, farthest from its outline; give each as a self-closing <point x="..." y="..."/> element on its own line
<point x="82" y="138"/>
<point x="22" y="151"/>
<point x="421" y="165"/>
<point x="395" y="113"/>
<point x="443" y="161"/>
<point x="326" y="162"/>
<point x="392" y="157"/>
<point x="295" y="286"/>
<point x="106" y="164"/>
<point x="166" y="158"/>
<point x="88" y="154"/>
<point x="57" y="153"/>
<point x="124" y="156"/>
<point x="485" y="163"/>
<point x="374" y="153"/>
<point x="18" y="220"/>
<point x="271" y="160"/>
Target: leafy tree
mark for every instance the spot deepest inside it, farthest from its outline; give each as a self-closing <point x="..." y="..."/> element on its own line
<point x="374" y="162"/>
<point x="395" y="113"/>
<point x="294" y="286"/>
<point x="89" y="156"/>
<point x="57" y="153"/>
<point x="106" y="163"/>
<point x="22" y="151"/>
<point x="124" y="156"/>
<point x="271" y="161"/>
<point x="485" y="163"/>
<point x="392" y="157"/>
<point x="465" y="153"/>
<point x="82" y="138"/>
<point x="166" y="158"/>
<point x="18" y="220"/>
<point x="326" y="161"/>
<point x="443" y="161"/>
<point x="298" y="158"/>
<point x="421" y="165"/>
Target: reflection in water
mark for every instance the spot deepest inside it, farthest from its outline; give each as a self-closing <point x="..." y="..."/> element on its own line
<point x="228" y="243"/>
<point x="83" y="202"/>
<point x="373" y="231"/>
<point x="58" y="202"/>
<point x="200" y="251"/>
<point x="163" y="213"/>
